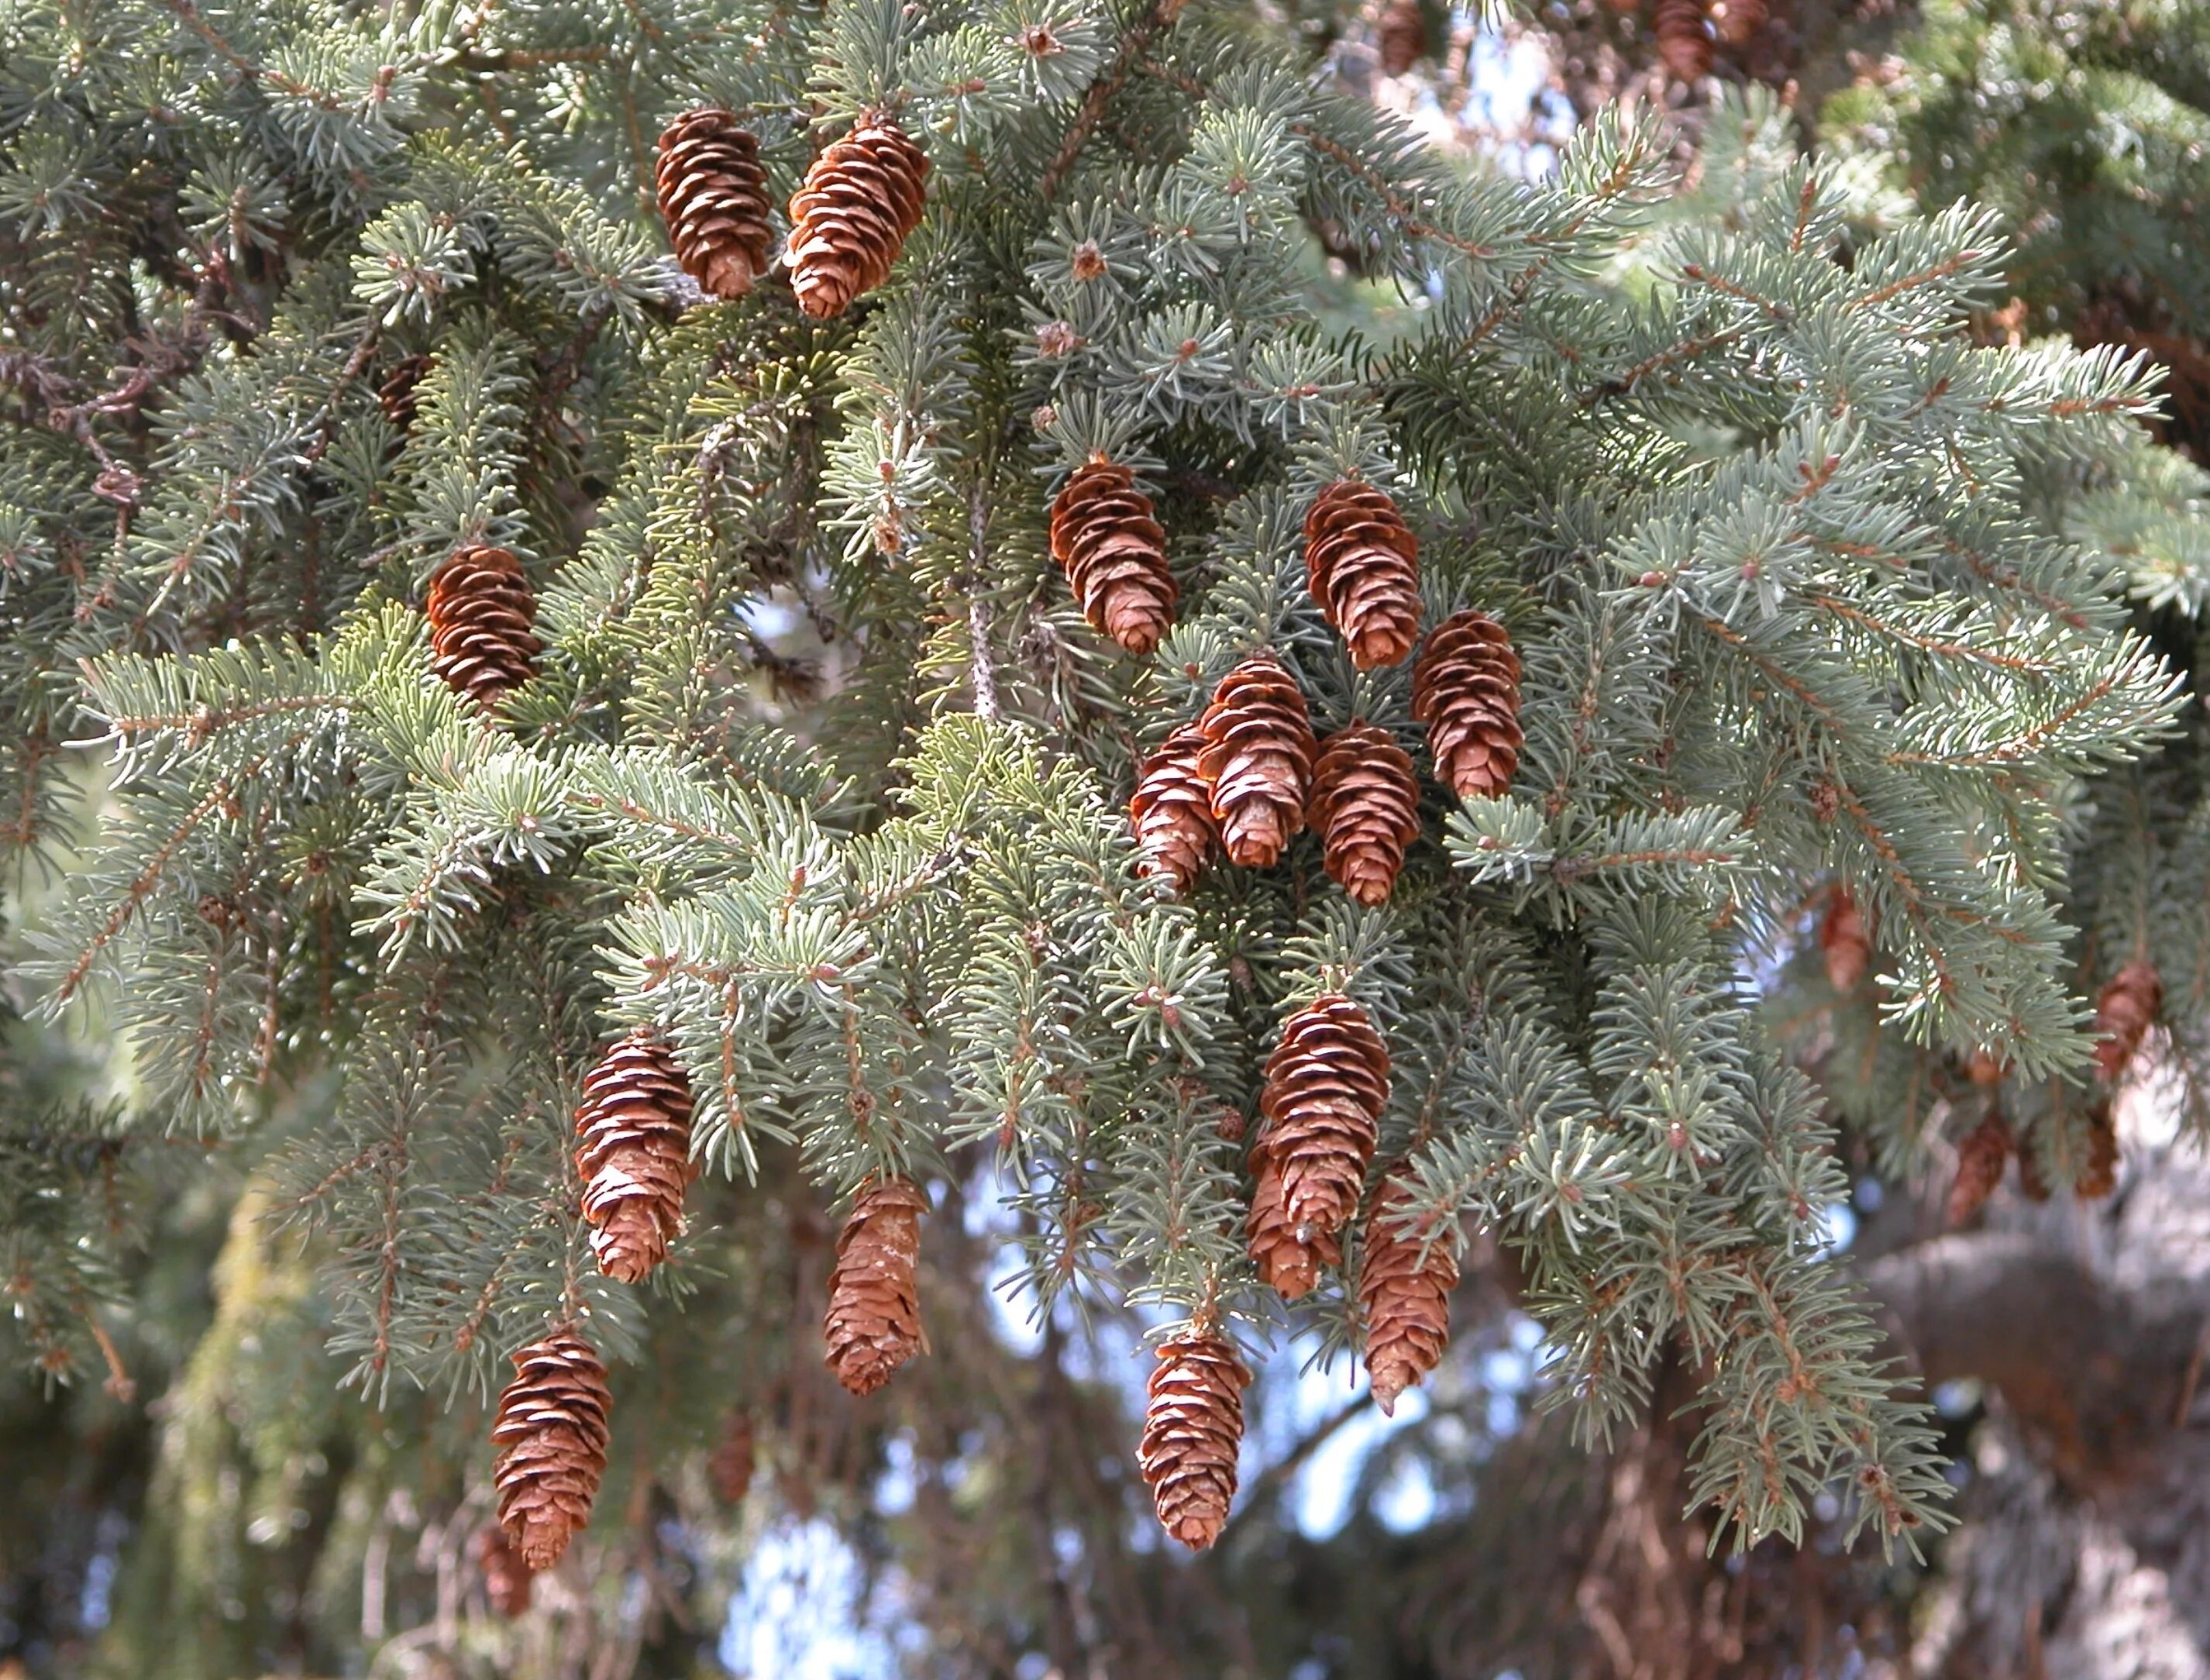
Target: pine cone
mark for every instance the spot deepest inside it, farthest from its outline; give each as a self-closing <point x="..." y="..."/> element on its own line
<point x="1115" y="554"/>
<point x="2100" y="1176"/>
<point x="1845" y="942"/>
<point x="506" y="1577"/>
<point x="862" y="198"/>
<point x="1362" y="566"/>
<point x="1401" y="38"/>
<point x="1980" y="1161"/>
<point x="1192" y="1431"/>
<point x="713" y="197"/>
<point x="551" y="1435"/>
<point x="2029" y="1173"/>
<point x="480" y="610"/>
<point x="1684" y="42"/>
<point x="395" y="394"/>
<point x="1465" y="688"/>
<point x="1404" y="1292"/>
<point x="1734" y="22"/>
<point x="874" y="1323"/>
<point x="1327" y="1082"/>
<point x="1289" y="1260"/>
<point x="735" y="1456"/>
<point x="1171" y="811"/>
<point x="1258" y="757"/>
<point x="634" y="1125"/>
<point x="2123" y="1014"/>
<point x="1365" y="806"/>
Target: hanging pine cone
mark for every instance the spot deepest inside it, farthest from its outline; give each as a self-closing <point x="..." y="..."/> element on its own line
<point x="551" y="1435"/>
<point x="1171" y="811"/>
<point x="1465" y="688"/>
<point x="634" y="1152"/>
<point x="1684" y="42"/>
<point x="1400" y="37"/>
<point x="1289" y="1258"/>
<point x="1115" y="554"/>
<point x="1258" y="757"/>
<point x="2029" y="1172"/>
<point x="1405" y="1284"/>
<point x="480" y="610"/>
<point x="1365" y="807"/>
<point x="713" y="197"/>
<point x="1845" y="942"/>
<point x="874" y="1323"/>
<point x="1361" y="565"/>
<point x="506" y="1577"/>
<point x="862" y="198"/>
<point x="1192" y="1431"/>
<point x="2123" y="1014"/>
<point x="1981" y="1158"/>
<point x="2100" y="1176"/>
<point x="1321" y="1107"/>
<point x="395" y="394"/>
<point x="734" y="1457"/>
<point x="1734" y="22"/>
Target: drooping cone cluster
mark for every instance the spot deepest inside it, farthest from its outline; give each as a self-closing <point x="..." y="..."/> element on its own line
<point x="1361" y="565"/>
<point x="1192" y="1431"/>
<point x="1258" y="760"/>
<point x="481" y="611"/>
<point x="505" y="1575"/>
<point x="1845" y="942"/>
<point x="1981" y="1158"/>
<point x="1171" y="811"/>
<point x="1684" y="40"/>
<point x="1114" y="550"/>
<point x="1320" y="1113"/>
<point x="874" y="1323"/>
<point x="713" y="197"/>
<point x="734" y="1457"/>
<point x="862" y="198"/>
<point x="633" y="1131"/>
<point x="2123" y="1014"/>
<point x="1400" y="36"/>
<point x="1365" y="806"/>
<point x="1465" y="688"/>
<point x="551" y="1436"/>
<point x="1404" y="1283"/>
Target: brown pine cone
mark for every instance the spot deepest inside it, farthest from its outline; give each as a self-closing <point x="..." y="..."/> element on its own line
<point x="874" y="1323"/>
<point x="1465" y="688"/>
<point x="1845" y="942"/>
<point x="1361" y="565"/>
<point x="1258" y="757"/>
<point x="396" y="394"/>
<point x="551" y="1434"/>
<point x="2100" y="1176"/>
<point x="2123" y="1014"/>
<point x="1400" y="37"/>
<point x="1289" y="1260"/>
<point x="1734" y="22"/>
<point x="506" y="1577"/>
<point x="713" y="197"/>
<point x="1192" y="1431"/>
<point x="1319" y="1111"/>
<point x="2029" y="1172"/>
<point x="480" y="610"/>
<point x="1115" y="554"/>
<point x="734" y="1457"/>
<point x="634" y="1152"/>
<point x="1365" y="807"/>
<point x="1171" y="811"/>
<point x="1405" y="1285"/>
<point x="862" y="198"/>
<point x="1981" y="1158"/>
<point x="1684" y="42"/>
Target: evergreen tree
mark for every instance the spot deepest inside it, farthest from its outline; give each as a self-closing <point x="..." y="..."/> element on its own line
<point x="542" y="679"/>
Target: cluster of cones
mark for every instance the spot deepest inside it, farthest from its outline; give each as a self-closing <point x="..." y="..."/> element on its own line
<point x="633" y="1153"/>
<point x="861" y="200"/>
